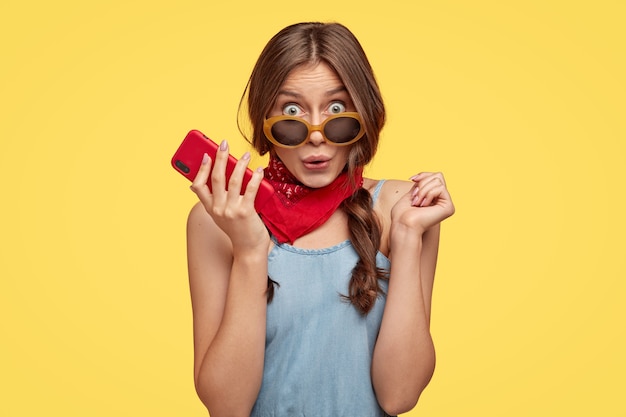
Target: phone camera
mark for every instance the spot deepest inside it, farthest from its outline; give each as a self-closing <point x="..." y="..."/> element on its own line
<point x="184" y="168"/>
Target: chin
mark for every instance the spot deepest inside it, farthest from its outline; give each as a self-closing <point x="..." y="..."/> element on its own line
<point x="317" y="181"/>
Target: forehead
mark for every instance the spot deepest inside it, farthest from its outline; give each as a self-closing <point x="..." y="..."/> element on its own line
<point x="318" y="76"/>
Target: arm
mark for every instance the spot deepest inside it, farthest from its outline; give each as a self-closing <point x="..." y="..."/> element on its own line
<point x="404" y="355"/>
<point x="428" y="264"/>
<point x="228" y="300"/>
<point x="227" y="261"/>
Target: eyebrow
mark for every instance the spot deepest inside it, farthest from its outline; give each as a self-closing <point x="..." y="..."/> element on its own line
<point x="293" y="94"/>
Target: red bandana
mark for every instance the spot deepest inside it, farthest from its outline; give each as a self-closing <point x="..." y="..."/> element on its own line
<point x="296" y="209"/>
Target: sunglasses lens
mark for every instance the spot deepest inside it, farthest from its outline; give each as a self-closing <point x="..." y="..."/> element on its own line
<point x="342" y="129"/>
<point x="290" y="132"/>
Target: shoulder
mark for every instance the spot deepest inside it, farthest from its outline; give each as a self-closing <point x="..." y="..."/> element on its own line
<point x="389" y="192"/>
<point x="203" y="233"/>
<point x="198" y="216"/>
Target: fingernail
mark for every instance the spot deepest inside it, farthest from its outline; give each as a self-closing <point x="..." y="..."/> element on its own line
<point x="205" y="159"/>
<point x="259" y="170"/>
<point x="246" y="156"/>
<point x="223" y="145"/>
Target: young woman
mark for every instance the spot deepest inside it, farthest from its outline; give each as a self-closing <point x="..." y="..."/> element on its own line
<point x="319" y="305"/>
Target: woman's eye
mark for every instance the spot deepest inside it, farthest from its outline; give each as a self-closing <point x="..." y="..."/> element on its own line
<point x="336" y="108"/>
<point x="291" y="110"/>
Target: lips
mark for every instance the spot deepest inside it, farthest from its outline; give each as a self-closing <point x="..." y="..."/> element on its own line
<point x="316" y="162"/>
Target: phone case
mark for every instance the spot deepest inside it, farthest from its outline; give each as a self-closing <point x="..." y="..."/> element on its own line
<point x="188" y="158"/>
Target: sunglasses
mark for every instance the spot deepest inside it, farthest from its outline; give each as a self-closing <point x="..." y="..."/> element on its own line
<point x="290" y="132"/>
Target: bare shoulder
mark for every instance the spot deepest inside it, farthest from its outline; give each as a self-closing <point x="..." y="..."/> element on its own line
<point x="390" y="192"/>
<point x="200" y="221"/>
<point x="198" y="217"/>
<point x="206" y="242"/>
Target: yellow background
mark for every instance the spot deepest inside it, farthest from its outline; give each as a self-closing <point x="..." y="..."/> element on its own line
<point x="520" y="104"/>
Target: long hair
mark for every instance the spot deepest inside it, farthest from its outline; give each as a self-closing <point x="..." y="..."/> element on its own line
<point x="334" y="44"/>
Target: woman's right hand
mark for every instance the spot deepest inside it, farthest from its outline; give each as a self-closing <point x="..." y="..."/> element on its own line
<point x="232" y="212"/>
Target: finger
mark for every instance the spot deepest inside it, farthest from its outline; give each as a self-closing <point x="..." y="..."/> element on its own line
<point x="430" y="197"/>
<point x="417" y="177"/>
<point x="253" y="186"/>
<point x="425" y="176"/>
<point x="429" y="189"/>
<point x="201" y="178"/>
<point x="235" y="183"/>
<point x="199" y="183"/>
<point x="218" y="176"/>
<point x="430" y="194"/>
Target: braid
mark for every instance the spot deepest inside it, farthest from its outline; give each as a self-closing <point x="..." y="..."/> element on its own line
<point x="365" y="236"/>
<point x="271" y="286"/>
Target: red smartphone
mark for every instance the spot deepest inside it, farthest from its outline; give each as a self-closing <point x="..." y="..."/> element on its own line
<point x="188" y="158"/>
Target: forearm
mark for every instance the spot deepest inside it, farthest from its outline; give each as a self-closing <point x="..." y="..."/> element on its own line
<point x="231" y="372"/>
<point x="428" y="264"/>
<point x="404" y="356"/>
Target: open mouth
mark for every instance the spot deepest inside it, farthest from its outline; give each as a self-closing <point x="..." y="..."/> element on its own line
<point x="316" y="163"/>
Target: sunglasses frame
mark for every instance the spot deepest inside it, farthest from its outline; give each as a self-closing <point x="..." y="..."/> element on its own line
<point x="269" y="122"/>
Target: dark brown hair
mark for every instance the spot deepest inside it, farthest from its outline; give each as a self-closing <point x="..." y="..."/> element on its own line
<point x="332" y="43"/>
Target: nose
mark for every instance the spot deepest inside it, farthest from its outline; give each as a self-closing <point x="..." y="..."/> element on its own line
<point x="315" y="137"/>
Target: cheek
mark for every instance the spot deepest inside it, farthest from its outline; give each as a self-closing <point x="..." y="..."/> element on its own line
<point x="343" y="154"/>
<point x="285" y="155"/>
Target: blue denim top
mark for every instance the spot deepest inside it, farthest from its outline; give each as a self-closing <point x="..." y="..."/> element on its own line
<point x="318" y="348"/>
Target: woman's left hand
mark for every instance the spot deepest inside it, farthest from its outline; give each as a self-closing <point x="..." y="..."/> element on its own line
<point x="425" y="205"/>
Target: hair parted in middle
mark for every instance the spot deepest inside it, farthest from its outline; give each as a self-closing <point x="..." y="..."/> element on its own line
<point x="332" y="43"/>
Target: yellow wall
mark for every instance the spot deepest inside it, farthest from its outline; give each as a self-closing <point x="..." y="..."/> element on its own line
<point x="521" y="104"/>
